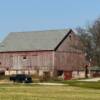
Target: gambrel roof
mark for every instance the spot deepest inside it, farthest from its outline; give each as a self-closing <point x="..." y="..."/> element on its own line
<point x="33" y="41"/>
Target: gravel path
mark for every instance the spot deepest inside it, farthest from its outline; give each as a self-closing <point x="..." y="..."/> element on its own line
<point x="91" y="80"/>
<point x="49" y="84"/>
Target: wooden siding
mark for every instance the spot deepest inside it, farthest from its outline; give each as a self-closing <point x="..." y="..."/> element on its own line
<point x="69" y="60"/>
<point x="25" y="60"/>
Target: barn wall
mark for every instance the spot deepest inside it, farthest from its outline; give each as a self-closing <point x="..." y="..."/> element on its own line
<point x="27" y="60"/>
<point x="69" y="61"/>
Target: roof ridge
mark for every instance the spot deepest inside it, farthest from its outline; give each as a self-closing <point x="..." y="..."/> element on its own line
<point x="41" y="30"/>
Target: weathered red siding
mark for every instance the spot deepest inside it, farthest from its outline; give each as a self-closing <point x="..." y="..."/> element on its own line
<point x="25" y="60"/>
<point x="69" y="60"/>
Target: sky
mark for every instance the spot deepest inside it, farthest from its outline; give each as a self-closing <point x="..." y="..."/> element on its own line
<point x="30" y="15"/>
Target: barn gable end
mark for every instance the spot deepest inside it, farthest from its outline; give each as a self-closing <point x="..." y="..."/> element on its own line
<point x="68" y="55"/>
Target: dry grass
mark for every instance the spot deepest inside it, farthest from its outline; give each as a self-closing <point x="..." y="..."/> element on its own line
<point x="38" y="92"/>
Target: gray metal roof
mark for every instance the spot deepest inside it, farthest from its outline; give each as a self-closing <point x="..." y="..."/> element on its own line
<point x="31" y="41"/>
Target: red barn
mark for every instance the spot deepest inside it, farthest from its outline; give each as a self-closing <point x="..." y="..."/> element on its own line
<point x="50" y="52"/>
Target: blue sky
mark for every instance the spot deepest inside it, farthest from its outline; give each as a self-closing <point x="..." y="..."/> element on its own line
<point x="29" y="15"/>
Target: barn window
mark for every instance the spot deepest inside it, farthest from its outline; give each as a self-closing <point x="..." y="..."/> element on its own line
<point x="24" y="57"/>
<point x="70" y="37"/>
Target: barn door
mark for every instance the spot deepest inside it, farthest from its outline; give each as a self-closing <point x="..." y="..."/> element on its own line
<point x="17" y="62"/>
<point x="67" y="75"/>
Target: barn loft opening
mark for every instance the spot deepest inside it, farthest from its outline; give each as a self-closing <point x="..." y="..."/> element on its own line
<point x="70" y="37"/>
<point x="24" y="57"/>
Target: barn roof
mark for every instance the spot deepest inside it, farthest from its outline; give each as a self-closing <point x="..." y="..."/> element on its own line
<point x="32" y="41"/>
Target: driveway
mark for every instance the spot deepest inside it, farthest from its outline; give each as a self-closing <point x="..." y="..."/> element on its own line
<point x="49" y="84"/>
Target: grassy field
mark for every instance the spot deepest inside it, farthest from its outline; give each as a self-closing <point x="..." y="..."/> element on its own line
<point x="38" y="92"/>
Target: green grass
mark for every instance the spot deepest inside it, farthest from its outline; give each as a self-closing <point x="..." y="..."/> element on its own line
<point x="93" y="85"/>
<point x="38" y="92"/>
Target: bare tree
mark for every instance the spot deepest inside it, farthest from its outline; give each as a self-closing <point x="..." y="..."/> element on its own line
<point x="90" y="38"/>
